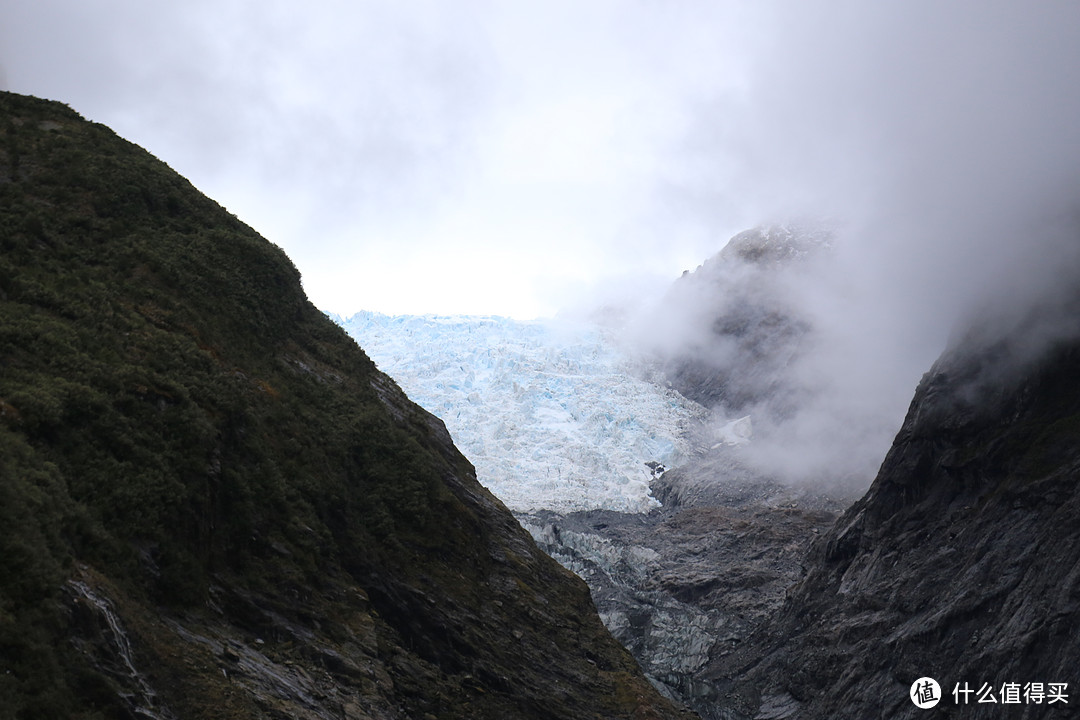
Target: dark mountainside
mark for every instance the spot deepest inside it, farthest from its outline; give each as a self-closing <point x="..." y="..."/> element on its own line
<point x="962" y="562"/>
<point x="212" y="505"/>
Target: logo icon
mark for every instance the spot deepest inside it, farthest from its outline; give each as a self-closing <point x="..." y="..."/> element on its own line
<point x="925" y="693"/>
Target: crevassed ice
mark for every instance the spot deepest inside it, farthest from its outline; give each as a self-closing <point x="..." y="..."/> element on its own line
<point x="548" y="412"/>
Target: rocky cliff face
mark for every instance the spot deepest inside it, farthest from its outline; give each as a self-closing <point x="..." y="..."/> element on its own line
<point x="696" y="578"/>
<point x="961" y="563"/>
<point x="212" y="505"/>
<point x="727" y="333"/>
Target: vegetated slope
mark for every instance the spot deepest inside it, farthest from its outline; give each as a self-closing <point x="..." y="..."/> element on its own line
<point x="961" y="563"/>
<point x="213" y="505"/>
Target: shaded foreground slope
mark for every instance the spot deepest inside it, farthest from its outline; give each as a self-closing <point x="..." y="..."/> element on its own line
<point x="213" y="505"/>
<point x="961" y="563"/>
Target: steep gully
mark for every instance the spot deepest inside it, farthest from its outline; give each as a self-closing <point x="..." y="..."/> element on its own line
<point x="745" y="597"/>
<point x="690" y="580"/>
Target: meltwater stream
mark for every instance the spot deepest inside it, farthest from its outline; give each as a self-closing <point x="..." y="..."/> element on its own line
<point x="120" y="663"/>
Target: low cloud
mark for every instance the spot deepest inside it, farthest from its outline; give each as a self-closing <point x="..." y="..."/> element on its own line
<point x="941" y="144"/>
<point x="477" y="156"/>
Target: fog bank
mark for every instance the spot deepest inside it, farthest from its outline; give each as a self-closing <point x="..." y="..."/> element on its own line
<point x="940" y="145"/>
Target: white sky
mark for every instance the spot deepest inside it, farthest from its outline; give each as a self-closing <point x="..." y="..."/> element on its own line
<point x="514" y="157"/>
<point x="482" y="157"/>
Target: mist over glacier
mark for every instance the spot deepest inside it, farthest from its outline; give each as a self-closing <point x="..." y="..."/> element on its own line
<point x="506" y="158"/>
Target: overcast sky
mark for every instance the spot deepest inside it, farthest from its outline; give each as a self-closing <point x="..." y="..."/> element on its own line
<point x="513" y="157"/>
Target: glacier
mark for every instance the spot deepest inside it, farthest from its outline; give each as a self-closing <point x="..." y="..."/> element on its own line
<point x="554" y="414"/>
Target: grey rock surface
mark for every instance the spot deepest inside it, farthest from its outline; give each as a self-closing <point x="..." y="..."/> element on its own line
<point x="961" y="563"/>
<point x="693" y="580"/>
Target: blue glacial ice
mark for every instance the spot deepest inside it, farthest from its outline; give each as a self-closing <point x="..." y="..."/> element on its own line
<point x="553" y="415"/>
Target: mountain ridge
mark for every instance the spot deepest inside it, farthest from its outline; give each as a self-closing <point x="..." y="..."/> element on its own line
<point x="216" y="506"/>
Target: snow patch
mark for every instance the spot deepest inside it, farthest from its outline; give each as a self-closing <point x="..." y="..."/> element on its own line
<point x="735" y="432"/>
